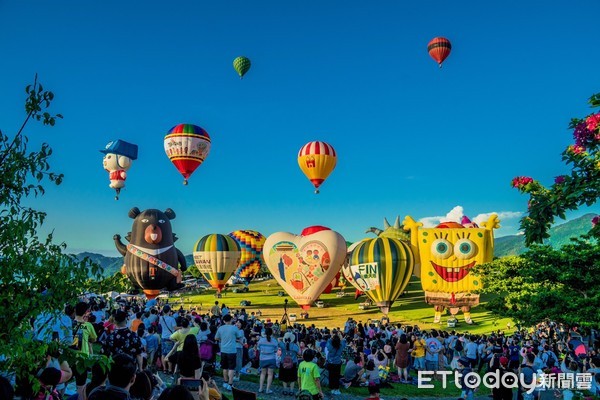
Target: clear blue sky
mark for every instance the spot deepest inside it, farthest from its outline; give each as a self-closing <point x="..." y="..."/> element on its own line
<point x="412" y="139"/>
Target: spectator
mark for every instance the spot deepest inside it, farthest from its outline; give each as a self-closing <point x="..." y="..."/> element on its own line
<point x="289" y="354"/>
<point x="308" y="376"/>
<point x="227" y="335"/>
<point x="188" y="360"/>
<point x="123" y="341"/>
<point x="402" y="358"/>
<point x="83" y="335"/>
<point x="120" y="379"/>
<point x="267" y="347"/>
<point x="335" y="347"/>
<point x="353" y="373"/>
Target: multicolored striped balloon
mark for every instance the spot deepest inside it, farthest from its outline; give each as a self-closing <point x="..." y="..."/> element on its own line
<point x="439" y="49"/>
<point x="187" y="146"/>
<point x="317" y="160"/>
<point x="251" y="244"/>
<point x="217" y="257"/>
<point x="241" y="65"/>
<point x="381" y="268"/>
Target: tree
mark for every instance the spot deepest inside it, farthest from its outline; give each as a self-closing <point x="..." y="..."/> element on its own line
<point x="36" y="275"/>
<point x="562" y="285"/>
<point x="571" y="191"/>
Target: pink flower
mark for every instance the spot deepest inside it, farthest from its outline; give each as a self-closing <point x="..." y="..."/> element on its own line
<point x="520" y="181"/>
<point x="576" y="149"/>
<point x="595" y="220"/>
<point x="559" y="179"/>
<point x="592" y="121"/>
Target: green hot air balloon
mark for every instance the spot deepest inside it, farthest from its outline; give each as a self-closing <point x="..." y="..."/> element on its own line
<point x="241" y="65"/>
<point x="381" y="268"/>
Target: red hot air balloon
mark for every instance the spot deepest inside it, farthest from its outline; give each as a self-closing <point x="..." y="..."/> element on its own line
<point x="439" y="49"/>
<point x="187" y="146"/>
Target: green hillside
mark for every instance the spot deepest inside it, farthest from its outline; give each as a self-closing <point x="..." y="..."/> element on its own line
<point x="559" y="236"/>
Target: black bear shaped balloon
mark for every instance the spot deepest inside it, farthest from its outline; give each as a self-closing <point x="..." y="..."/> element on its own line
<point x="152" y="262"/>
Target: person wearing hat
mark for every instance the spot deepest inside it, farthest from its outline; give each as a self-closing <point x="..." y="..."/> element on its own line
<point x="288" y="368"/>
<point x="502" y="391"/>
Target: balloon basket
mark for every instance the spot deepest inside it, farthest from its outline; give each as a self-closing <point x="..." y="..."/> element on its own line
<point x="317" y="191"/>
<point x="185" y="182"/>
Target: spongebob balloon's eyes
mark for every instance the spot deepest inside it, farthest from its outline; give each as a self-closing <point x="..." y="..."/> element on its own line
<point x="465" y="248"/>
<point x="441" y="248"/>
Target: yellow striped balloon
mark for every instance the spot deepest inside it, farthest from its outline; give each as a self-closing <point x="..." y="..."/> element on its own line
<point x="217" y="257"/>
<point x="317" y="160"/>
<point x="381" y="268"/>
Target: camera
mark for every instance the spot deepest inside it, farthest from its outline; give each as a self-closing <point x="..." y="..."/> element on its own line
<point x="193" y="385"/>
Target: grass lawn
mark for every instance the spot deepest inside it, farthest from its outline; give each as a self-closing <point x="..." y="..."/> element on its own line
<point x="410" y="308"/>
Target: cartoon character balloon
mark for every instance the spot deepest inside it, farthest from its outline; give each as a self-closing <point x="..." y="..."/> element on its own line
<point x="151" y="257"/>
<point x="381" y="268"/>
<point x="317" y="160"/>
<point x="439" y="49"/>
<point x="187" y="146"/>
<point x="241" y="65"/>
<point x="446" y="255"/>
<point x="251" y="244"/>
<point x="118" y="156"/>
<point x="217" y="257"/>
<point x="305" y="264"/>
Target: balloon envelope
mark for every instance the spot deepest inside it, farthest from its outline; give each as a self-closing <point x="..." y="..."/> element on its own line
<point x="251" y="245"/>
<point x="381" y="268"/>
<point x="241" y="65"/>
<point x="317" y="160"/>
<point x="187" y="146"/>
<point x="305" y="264"/>
<point x="217" y="256"/>
<point x="439" y="49"/>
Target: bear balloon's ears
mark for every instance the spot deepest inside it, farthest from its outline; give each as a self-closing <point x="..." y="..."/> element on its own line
<point x="170" y="213"/>
<point x="134" y="212"/>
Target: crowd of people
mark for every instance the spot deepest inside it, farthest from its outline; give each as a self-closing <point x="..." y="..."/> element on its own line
<point x="150" y="340"/>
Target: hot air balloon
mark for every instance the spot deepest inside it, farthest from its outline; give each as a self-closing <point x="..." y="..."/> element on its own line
<point x="187" y="146"/>
<point x="305" y="264"/>
<point x="439" y="49"/>
<point x="118" y="156"/>
<point x="317" y="160"/>
<point x="151" y="259"/>
<point x="381" y="268"/>
<point x="251" y="244"/>
<point x="217" y="257"/>
<point x="241" y="65"/>
<point x="446" y="254"/>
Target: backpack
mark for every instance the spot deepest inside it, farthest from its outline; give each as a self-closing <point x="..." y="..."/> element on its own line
<point x="287" y="362"/>
<point x="458" y="345"/>
<point x="77" y="337"/>
<point x="206" y="350"/>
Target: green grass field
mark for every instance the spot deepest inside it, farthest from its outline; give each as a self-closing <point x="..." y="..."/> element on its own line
<point x="409" y="309"/>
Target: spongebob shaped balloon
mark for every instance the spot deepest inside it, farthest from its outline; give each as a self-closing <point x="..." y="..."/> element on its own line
<point x="446" y="255"/>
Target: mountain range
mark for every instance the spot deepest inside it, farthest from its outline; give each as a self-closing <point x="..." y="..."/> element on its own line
<point x="504" y="246"/>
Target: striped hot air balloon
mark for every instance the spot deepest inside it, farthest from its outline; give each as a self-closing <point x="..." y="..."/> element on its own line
<point x="217" y="257"/>
<point x="381" y="268"/>
<point x="187" y="146"/>
<point x="439" y="49"/>
<point x="317" y="160"/>
<point x="241" y="65"/>
<point x="251" y="244"/>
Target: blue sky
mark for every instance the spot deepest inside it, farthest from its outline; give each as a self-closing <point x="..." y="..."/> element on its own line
<point x="411" y="139"/>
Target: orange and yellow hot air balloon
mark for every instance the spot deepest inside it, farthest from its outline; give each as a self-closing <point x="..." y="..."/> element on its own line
<point x="317" y="160"/>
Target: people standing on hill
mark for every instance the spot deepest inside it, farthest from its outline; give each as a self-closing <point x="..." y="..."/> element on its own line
<point x="335" y="347"/>
<point x="402" y="357"/>
<point x="227" y="335"/>
<point x="267" y="346"/>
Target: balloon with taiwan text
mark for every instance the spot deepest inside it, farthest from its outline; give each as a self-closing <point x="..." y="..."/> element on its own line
<point x="305" y="264"/>
<point x="217" y="257"/>
<point x="317" y="160"/>
<point x="381" y="268"/>
<point x="187" y="146"/>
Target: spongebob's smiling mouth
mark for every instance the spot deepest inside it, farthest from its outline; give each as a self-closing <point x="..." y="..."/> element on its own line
<point x="450" y="274"/>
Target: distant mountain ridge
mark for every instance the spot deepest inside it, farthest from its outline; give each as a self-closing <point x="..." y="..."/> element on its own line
<point x="504" y="246"/>
<point x="559" y="235"/>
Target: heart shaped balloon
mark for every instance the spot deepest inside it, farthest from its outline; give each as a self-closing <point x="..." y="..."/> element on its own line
<point x="305" y="264"/>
